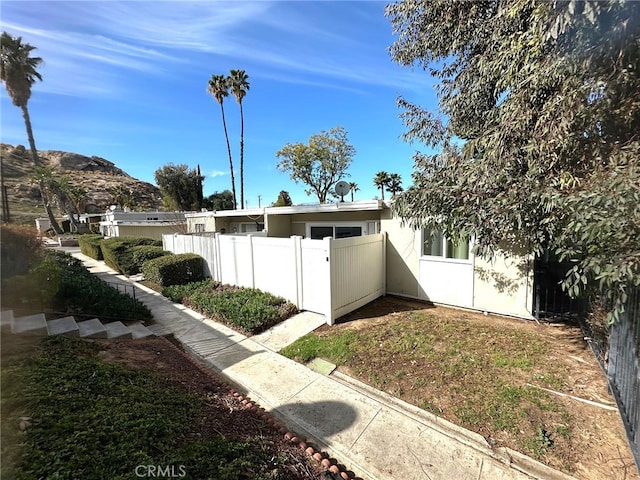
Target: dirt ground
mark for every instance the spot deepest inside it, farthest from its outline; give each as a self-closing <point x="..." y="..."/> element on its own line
<point x="239" y="422"/>
<point x="596" y="446"/>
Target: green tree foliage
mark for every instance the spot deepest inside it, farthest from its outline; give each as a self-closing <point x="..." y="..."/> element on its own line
<point x="320" y="163"/>
<point x="394" y="184"/>
<point x="284" y="200"/>
<point x="122" y="196"/>
<point x="18" y="72"/>
<point x="219" y="201"/>
<point x="537" y="129"/>
<point x="353" y="188"/>
<point x="380" y="180"/>
<point x="180" y="186"/>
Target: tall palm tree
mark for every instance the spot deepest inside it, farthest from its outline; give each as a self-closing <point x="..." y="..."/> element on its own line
<point x="380" y="180"/>
<point x="394" y="184"/>
<point x="18" y="71"/>
<point x="353" y="186"/>
<point x="239" y="84"/>
<point x="219" y="88"/>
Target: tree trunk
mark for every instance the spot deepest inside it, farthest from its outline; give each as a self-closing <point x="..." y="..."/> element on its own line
<point x="233" y="179"/>
<point x="241" y="156"/>
<point x="36" y="162"/>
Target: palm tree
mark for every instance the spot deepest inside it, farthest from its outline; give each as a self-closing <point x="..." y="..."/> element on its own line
<point x="380" y="180"/>
<point x="394" y="184"/>
<point x="219" y="88"/>
<point x="353" y="186"/>
<point x="18" y="71"/>
<point x="239" y="84"/>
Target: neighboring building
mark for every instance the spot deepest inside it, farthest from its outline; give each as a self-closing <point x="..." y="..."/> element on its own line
<point x="419" y="264"/>
<point x="118" y="223"/>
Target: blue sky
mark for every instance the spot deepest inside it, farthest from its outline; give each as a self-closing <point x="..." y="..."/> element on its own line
<point x="127" y="81"/>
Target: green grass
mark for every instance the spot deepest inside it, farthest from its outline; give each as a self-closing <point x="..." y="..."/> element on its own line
<point x="95" y="420"/>
<point x="471" y="373"/>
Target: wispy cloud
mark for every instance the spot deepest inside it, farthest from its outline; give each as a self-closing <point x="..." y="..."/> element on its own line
<point x="217" y="173"/>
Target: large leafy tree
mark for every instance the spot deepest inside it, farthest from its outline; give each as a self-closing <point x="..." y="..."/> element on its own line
<point x="239" y="83"/>
<point x="537" y="129"/>
<point x="284" y="200"/>
<point x="19" y="71"/>
<point x="320" y="163"/>
<point x="219" y="201"/>
<point x="219" y="89"/>
<point x="180" y="187"/>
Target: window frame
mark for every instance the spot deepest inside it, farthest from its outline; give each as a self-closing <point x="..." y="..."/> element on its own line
<point x="363" y="226"/>
<point x="443" y="248"/>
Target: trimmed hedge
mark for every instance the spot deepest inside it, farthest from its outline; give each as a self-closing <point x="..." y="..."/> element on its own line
<point x="118" y="254"/>
<point x="174" y="269"/>
<point x="90" y="246"/>
<point x="142" y="253"/>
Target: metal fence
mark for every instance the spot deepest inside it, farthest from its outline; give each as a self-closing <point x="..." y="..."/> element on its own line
<point x="124" y="288"/>
<point x="624" y="371"/>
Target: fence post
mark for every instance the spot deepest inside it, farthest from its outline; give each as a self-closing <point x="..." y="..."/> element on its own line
<point x="251" y="262"/>
<point x="297" y="255"/>
<point x="384" y="262"/>
<point x="328" y="281"/>
<point x="216" y="247"/>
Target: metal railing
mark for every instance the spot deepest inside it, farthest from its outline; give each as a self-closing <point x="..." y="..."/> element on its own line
<point x="123" y="287"/>
<point x="624" y="368"/>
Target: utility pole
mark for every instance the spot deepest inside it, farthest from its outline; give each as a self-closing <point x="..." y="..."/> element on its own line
<point x="259" y="198"/>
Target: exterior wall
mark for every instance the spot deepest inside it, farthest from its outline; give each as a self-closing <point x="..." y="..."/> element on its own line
<point x="504" y="285"/>
<point x="154" y="232"/>
<point x="352" y="216"/>
<point x="208" y="220"/>
<point x="280" y="226"/>
<point x="403" y="254"/>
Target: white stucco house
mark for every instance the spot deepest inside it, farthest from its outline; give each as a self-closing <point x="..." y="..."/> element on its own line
<point x="420" y="264"/>
<point x="119" y="223"/>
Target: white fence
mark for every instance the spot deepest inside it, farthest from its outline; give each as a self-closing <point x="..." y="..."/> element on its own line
<point x="331" y="277"/>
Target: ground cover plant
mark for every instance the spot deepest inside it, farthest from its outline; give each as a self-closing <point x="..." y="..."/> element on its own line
<point x="487" y="374"/>
<point x="110" y="409"/>
<point x="60" y="283"/>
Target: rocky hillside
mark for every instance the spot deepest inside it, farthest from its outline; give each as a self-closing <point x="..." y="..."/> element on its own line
<point x="96" y="175"/>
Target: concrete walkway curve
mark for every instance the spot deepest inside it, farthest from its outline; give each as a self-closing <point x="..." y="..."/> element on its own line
<point x="377" y="436"/>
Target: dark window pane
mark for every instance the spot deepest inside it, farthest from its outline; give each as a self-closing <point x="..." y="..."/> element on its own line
<point x="345" y="232"/>
<point x="318" y="233"/>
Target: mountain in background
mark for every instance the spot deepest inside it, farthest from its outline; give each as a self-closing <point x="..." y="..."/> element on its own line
<point x="96" y="175"/>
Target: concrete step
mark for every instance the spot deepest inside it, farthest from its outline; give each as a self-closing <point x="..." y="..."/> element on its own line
<point x="6" y="320"/>
<point x="92" y="329"/>
<point x="118" y="330"/>
<point x="64" y="326"/>
<point x="159" y="330"/>
<point x="138" y="330"/>
<point x="30" y="325"/>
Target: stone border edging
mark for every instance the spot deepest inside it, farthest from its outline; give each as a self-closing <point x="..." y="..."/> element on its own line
<point x="330" y="464"/>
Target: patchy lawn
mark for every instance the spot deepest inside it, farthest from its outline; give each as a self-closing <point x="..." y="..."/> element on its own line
<point x="487" y="374"/>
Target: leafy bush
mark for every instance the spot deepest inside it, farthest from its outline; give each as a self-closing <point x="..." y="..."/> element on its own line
<point x="90" y="246"/>
<point x="174" y="269"/>
<point x="248" y="308"/>
<point x="177" y="293"/>
<point x="142" y="253"/>
<point x="20" y="249"/>
<point x="118" y="254"/>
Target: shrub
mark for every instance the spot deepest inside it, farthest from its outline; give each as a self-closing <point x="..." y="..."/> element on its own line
<point x="177" y="293"/>
<point x="142" y="253"/>
<point x="248" y="308"/>
<point x="20" y="249"/>
<point x="90" y="246"/>
<point x="174" y="269"/>
<point x="117" y="252"/>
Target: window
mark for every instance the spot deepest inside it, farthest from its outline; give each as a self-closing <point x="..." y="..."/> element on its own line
<point x="199" y="227"/>
<point x="338" y="230"/>
<point x="435" y="244"/>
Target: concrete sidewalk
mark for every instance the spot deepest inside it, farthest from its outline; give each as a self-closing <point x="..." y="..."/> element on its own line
<point x="377" y="436"/>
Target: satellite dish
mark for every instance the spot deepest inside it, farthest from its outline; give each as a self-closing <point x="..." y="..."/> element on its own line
<point x="342" y="188"/>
